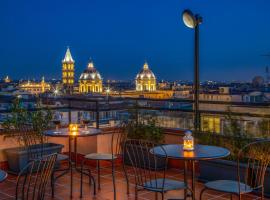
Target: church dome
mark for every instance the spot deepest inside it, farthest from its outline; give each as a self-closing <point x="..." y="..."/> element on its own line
<point x="145" y="73"/>
<point x="145" y="79"/>
<point x="90" y="73"/>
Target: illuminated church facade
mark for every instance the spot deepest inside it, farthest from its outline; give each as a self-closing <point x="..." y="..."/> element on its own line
<point x="90" y="80"/>
<point x="145" y="79"/>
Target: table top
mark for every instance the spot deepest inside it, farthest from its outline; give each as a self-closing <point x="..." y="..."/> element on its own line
<point x="64" y="132"/>
<point x="3" y="175"/>
<point x="200" y="152"/>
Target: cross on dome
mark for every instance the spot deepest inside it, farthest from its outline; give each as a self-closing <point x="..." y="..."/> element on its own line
<point x="145" y="66"/>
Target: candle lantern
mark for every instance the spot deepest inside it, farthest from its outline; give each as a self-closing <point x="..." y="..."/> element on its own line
<point x="188" y="141"/>
<point x="73" y="129"/>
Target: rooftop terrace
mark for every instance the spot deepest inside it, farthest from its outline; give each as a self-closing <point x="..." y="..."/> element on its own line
<point x="7" y="189"/>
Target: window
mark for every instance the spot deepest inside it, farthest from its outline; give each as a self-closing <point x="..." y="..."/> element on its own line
<point x="211" y="124"/>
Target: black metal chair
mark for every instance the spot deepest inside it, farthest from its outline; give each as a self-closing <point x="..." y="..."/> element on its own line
<point x="32" y="141"/>
<point x="148" y="176"/>
<point x="117" y="143"/>
<point x="33" y="179"/>
<point x="253" y="160"/>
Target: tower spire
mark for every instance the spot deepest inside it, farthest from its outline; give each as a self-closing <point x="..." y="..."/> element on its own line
<point x="68" y="57"/>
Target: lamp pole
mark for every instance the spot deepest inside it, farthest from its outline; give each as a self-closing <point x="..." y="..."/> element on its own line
<point x="193" y="21"/>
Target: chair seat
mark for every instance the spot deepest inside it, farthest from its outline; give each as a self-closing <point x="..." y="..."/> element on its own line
<point x="228" y="186"/>
<point x="100" y="156"/>
<point x="61" y="157"/>
<point x="156" y="185"/>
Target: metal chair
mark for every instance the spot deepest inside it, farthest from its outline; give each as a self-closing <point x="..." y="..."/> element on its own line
<point x="31" y="141"/>
<point x="33" y="179"/>
<point x="144" y="165"/>
<point x="117" y="143"/>
<point x="253" y="160"/>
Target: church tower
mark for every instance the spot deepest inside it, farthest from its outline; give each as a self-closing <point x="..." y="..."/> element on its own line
<point x="68" y="72"/>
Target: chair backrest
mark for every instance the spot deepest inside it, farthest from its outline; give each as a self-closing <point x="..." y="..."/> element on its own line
<point x="117" y="141"/>
<point x="253" y="160"/>
<point x="33" y="143"/>
<point x="145" y="163"/>
<point x="32" y="180"/>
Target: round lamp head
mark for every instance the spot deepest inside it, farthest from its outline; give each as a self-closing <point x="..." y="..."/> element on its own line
<point x="189" y="19"/>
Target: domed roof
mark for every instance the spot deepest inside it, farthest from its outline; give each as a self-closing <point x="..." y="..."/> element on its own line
<point x="145" y="73"/>
<point x="90" y="73"/>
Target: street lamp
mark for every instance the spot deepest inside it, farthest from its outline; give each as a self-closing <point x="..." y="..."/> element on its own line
<point x="193" y="21"/>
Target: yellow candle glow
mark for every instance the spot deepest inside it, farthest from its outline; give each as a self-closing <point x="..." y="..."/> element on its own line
<point x="73" y="129"/>
<point x="188" y="144"/>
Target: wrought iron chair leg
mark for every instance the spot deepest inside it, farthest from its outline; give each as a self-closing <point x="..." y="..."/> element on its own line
<point x="98" y="170"/>
<point x="239" y="197"/>
<point x="71" y="180"/>
<point x="52" y="183"/>
<point x="113" y="177"/>
<point x="162" y="195"/>
<point x="94" y="184"/>
<point x="201" y="194"/>
<point x="81" y="186"/>
<point x="136" y="193"/>
<point x="156" y="195"/>
<point x="126" y="176"/>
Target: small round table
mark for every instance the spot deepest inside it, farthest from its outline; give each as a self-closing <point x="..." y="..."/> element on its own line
<point x="200" y="152"/>
<point x="3" y="175"/>
<point x="64" y="132"/>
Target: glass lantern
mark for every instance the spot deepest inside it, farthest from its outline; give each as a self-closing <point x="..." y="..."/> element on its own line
<point x="188" y="141"/>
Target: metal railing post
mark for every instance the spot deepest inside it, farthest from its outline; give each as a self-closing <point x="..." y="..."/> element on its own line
<point x="97" y="115"/>
<point x="69" y="111"/>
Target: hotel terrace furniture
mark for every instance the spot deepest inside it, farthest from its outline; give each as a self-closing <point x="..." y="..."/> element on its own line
<point x="33" y="179"/>
<point x="117" y="143"/>
<point x="200" y="152"/>
<point x="37" y="149"/>
<point x="148" y="177"/>
<point x="3" y="175"/>
<point x="64" y="132"/>
<point x="253" y="160"/>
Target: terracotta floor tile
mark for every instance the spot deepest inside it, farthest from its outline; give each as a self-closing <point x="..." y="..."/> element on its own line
<point x="62" y="187"/>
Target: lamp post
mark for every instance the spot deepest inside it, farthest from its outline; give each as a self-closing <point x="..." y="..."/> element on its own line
<point x="193" y="21"/>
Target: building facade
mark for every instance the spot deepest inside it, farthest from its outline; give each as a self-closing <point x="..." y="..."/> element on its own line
<point x="90" y="80"/>
<point x="35" y="87"/>
<point x="145" y="79"/>
<point x="68" y="72"/>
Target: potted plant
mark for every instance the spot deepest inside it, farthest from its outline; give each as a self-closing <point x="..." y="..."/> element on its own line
<point x="14" y="128"/>
<point x="144" y="127"/>
<point x="233" y="138"/>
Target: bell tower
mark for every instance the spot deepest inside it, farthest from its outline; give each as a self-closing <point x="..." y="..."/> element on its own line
<point x="68" y="72"/>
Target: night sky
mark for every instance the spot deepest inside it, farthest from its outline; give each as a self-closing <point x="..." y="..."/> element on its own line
<point x="119" y="35"/>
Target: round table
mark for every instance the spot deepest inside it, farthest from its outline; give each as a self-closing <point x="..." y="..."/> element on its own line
<point x="64" y="132"/>
<point x="3" y="175"/>
<point x="200" y="152"/>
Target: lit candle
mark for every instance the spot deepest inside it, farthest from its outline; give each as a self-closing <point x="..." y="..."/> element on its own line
<point x="188" y="141"/>
<point x="73" y="129"/>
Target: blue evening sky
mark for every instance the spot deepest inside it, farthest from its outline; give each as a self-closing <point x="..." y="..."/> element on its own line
<point x="119" y="35"/>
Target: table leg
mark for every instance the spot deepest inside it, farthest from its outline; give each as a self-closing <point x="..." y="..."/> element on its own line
<point x="98" y="169"/>
<point x="185" y="178"/>
<point x="75" y="151"/>
<point x="70" y="166"/>
<point x="193" y="180"/>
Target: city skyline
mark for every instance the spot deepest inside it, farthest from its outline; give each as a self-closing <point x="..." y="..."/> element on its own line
<point x="120" y="36"/>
